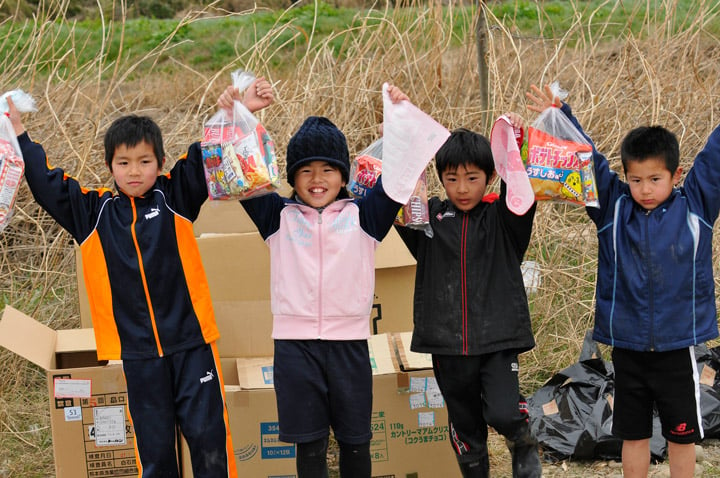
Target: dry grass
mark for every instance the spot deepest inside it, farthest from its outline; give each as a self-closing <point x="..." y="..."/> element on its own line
<point x="651" y="77"/>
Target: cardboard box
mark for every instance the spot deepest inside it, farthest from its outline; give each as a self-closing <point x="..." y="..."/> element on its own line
<point x="237" y="267"/>
<point x="409" y="421"/>
<point x="92" y="436"/>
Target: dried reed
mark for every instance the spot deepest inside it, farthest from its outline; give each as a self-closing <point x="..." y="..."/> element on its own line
<point x="659" y="75"/>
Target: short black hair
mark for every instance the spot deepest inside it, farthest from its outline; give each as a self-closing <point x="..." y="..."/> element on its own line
<point x="648" y="142"/>
<point x="131" y="130"/>
<point x="465" y="147"/>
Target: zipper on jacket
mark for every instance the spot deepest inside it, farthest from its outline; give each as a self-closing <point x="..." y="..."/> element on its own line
<point x="463" y="282"/>
<point x="651" y="294"/>
<point x="141" y="268"/>
<point x="320" y="274"/>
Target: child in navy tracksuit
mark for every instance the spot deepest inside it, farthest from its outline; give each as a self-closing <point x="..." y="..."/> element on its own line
<point x="470" y="308"/>
<point x="322" y="258"/>
<point x="149" y="298"/>
<point x="655" y="292"/>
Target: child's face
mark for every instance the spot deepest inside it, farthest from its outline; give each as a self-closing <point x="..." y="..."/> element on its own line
<point x="651" y="183"/>
<point x="135" y="168"/>
<point x="465" y="186"/>
<point x="317" y="183"/>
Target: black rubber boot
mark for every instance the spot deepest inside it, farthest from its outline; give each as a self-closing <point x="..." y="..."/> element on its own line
<point x="479" y="468"/>
<point x="525" y="456"/>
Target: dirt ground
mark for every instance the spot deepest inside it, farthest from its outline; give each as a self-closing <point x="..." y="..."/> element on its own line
<point x="708" y="463"/>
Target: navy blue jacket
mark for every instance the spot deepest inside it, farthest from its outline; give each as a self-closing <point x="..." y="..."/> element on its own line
<point x="655" y="289"/>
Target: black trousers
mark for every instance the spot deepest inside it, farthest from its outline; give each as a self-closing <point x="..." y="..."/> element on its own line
<point x="184" y="389"/>
<point x="481" y="391"/>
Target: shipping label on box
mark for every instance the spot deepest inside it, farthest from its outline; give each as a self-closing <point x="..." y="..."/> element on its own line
<point x="92" y="434"/>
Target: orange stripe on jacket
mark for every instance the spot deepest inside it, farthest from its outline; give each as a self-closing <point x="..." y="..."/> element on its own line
<point x="196" y="279"/>
<point x="97" y="282"/>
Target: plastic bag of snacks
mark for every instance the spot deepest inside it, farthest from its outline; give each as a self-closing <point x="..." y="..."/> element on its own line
<point x="364" y="172"/>
<point x="12" y="165"/>
<point x="559" y="161"/>
<point x="238" y="153"/>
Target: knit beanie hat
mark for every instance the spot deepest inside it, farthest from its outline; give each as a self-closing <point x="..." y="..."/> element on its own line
<point x="318" y="139"/>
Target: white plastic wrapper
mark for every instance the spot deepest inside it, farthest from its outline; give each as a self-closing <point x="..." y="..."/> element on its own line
<point x="410" y="140"/>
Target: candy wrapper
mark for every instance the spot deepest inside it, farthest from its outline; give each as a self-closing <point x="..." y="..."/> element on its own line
<point x="238" y="153"/>
<point x="559" y="162"/>
<point x="12" y="165"/>
<point x="364" y="172"/>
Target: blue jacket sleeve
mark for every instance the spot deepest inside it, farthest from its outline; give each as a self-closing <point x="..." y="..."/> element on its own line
<point x="377" y="211"/>
<point x="702" y="184"/>
<point x="72" y="206"/>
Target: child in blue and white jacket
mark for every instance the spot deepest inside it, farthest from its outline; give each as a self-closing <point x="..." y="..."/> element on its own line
<point x="322" y="258"/>
<point x="655" y="293"/>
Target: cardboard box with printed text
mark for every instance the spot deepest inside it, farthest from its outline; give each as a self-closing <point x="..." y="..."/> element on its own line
<point x="92" y="435"/>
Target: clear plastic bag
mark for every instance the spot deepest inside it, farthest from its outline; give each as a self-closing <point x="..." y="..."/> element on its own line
<point x="12" y="166"/>
<point x="238" y="153"/>
<point x="364" y="172"/>
<point x="559" y="162"/>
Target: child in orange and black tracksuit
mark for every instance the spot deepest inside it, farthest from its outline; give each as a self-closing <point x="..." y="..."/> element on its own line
<point x="148" y="294"/>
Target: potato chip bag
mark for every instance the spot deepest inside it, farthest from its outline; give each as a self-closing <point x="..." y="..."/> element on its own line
<point x="559" y="161"/>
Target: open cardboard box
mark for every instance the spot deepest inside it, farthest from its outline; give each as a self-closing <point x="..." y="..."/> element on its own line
<point x="92" y="436"/>
<point x="409" y="420"/>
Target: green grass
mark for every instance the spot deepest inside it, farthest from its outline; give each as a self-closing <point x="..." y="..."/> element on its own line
<point x="209" y="44"/>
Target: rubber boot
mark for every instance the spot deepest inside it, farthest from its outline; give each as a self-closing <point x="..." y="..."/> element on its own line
<point x="525" y="456"/>
<point x="479" y="468"/>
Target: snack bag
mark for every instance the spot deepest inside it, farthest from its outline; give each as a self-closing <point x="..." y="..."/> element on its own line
<point x="364" y="172"/>
<point x="415" y="213"/>
<point x="559" y="162"/>
<point x="238" y="153"/>
<point x="365" y="169"/>
<point x="12" y="165"/>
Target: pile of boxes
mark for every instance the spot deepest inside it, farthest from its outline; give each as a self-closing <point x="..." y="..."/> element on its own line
<point x="92" y="436"/>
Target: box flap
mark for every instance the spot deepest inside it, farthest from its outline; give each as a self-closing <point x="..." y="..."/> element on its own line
<point x="382" y="354"/>
<point x="255" y="372"/>
<point x="28" y="338"/>
<point x="75" y="340"/>
<point x="410" y="360"/>
<point x="392" y="252"/>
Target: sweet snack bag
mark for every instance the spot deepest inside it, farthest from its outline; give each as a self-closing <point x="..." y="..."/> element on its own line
<point x="238" y="153"/>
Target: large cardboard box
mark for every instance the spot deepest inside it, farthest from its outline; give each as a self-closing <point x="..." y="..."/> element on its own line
<point x="92" y="435"/>
<point x="409" y="420"/>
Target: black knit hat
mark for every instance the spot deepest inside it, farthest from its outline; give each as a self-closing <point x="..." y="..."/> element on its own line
<point x="318" y="139"/>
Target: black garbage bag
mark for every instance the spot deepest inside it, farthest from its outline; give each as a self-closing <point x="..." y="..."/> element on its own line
<point x="708" y="361"/>
<point x="571" y="414"/>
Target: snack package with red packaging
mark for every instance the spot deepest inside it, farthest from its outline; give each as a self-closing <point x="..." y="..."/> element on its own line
<point x="238" y="153"/>
<point x="12" y="166"/>
<point x="364" y="172"/>
<point x="559" y="160"/>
